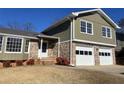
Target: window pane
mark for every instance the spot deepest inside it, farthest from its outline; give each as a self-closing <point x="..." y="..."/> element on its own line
<point x="105" y="54"/>
<point x="26" y="45"/>
<point x="81" y="53"/>
<point x="1" y="39"/>
<point x="83" y="26"/>
<point x="103" y="31"/>
<point x="83" y="23"/>
<point x="89" y="28"/>
<point x="90" y="52"/>
<point x="77" y="52"/>
<point x="108" y="32"/>
<point x="109" y="54"/>
<point x="13" y="45"/>
<point x="86" y="52"/>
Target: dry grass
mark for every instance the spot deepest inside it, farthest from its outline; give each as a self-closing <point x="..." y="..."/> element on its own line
<point x="55" y="74"/>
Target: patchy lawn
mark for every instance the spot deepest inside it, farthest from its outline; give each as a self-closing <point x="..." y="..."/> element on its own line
<point x="55" y="74"/>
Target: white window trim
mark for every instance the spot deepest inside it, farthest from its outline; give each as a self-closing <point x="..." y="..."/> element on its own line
<point x="6" y="44"/>
<point x="86" y="27"/>
<point x="106" y="33"/>
<point x="28" y="48"/>
<point x="2" y="44"/>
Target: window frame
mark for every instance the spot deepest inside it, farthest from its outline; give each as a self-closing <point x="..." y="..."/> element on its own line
<point x="81" y="20"/>
<point x="16" y="38"/>
<point x="28" y="46"/>
<point x="106" y="34"/>
<point x="2" y="43"/>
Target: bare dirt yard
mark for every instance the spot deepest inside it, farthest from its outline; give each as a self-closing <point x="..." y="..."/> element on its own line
<point x="54" y="75"/>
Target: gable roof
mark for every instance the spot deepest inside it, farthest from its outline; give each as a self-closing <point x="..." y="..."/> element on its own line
<point x="76" y="14"/>
<point x="101" y="12"/>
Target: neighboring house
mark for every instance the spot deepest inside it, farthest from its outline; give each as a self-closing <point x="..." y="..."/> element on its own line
<point x="120" y="42"/>
<point x="86" y="37"/>
<point x="22" y="45"/>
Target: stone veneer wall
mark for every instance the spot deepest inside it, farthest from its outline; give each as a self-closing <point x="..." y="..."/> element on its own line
<point x="64" y="50"/>
<point x="113" y="54"/>
<point x="55" y="50"/>
<point x="33" y="49"/>
<point x="96" y="52"/>
<point x="96" y="55"/>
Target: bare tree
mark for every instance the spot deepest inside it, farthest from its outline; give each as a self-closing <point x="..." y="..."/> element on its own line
<point x="121" y="22"/>
<point x="13" y="25"/>
<point x="29" y="26"/>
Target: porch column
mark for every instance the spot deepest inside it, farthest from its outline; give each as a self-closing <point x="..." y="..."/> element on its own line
<point x="40" y="50"/>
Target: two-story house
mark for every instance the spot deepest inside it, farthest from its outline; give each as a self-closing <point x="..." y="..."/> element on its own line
<point x="86" y="37"/>
<point x="83" y="38"/>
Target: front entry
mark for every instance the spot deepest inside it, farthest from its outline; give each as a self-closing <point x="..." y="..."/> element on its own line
<point x="44" y="52"/>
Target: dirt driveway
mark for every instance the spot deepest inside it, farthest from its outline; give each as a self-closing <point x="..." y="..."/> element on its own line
<point x="112" y="69"/>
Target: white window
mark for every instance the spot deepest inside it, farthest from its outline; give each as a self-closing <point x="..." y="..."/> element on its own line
<point x="13" y="44"/>
<point x="86" y="27"/>
<point x="106" y="32"/>
<point x="1" y="41"/>
<point x="27" y="46"/>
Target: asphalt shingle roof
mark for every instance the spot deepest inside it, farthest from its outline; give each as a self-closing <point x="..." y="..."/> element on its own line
<point x="18" y="32"/>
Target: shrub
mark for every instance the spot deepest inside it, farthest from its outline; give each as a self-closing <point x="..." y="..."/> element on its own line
<point x="19" y="62"/>
<point x="59" y="60"/>
<point x="6" y="64"/>
<point x="65" y="61"/>
<point x="30" y="62"/>
<point x="62" y="61"/>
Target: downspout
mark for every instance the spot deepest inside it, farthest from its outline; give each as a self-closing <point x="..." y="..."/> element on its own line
<point x="58" y="46"/>
<point x="71" y="42"/>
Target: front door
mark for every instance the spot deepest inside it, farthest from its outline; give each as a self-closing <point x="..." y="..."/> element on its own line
<point x="44" y="49"/>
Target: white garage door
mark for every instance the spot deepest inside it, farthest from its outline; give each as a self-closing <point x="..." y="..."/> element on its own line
<point x="84" y="56"/>
<point x="105" y="56"/>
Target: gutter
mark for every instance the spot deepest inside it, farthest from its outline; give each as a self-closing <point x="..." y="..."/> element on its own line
<point x="45" y="36"/>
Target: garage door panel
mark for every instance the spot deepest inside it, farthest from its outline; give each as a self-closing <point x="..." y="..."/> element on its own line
<point x="84" y="56"/>
<point x="105" y="56"/>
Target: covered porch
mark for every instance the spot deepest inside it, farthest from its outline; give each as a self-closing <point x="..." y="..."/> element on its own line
<point x="44" y="47"/>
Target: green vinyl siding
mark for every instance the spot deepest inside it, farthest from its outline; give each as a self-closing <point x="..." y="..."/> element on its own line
<point x="62" y="31"/>
<point x="13" y="56"/>
<point x="98" y="22"/>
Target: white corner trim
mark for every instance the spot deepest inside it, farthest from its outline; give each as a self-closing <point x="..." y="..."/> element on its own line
<point x="92" y="42"/>
<point x="73" y="28"/>
<point x="6" y="44"/>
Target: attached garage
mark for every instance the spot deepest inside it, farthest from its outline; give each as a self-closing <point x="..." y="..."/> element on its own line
<point x="105" y="56"/>
<point x="84" y="56"/>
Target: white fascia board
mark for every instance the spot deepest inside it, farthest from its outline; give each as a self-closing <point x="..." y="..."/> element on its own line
<point x="18" y="36"/>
